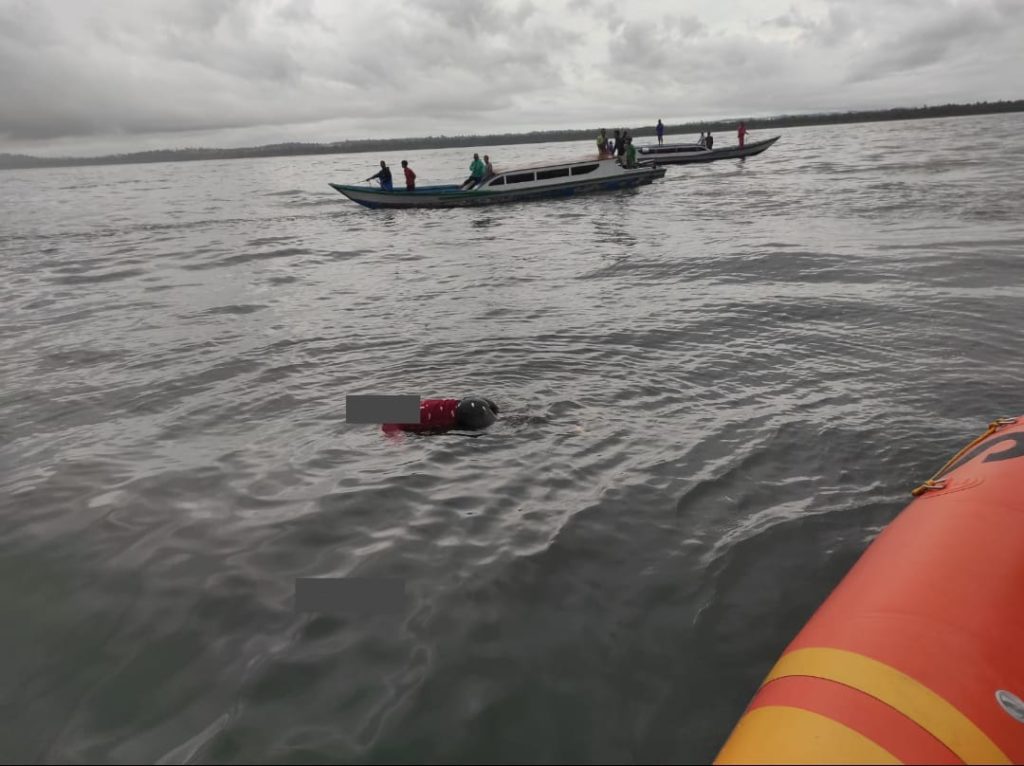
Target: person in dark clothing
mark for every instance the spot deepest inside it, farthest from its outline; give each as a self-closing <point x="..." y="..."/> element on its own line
<point x="710" y="141"/>
<point x="661" y="133"/>
<point x="384" y="174"/>
<point x="626" y="138"/>
<point x="410" y="177"/>
<point x="618" y="147"/>
<point x="630" y="153"/>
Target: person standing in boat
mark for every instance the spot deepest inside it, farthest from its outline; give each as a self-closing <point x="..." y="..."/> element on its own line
<point x="384" y="174"/>
<point x="622" y="145"/>
<point x="410" y="177"/>
<point x="702" y="141"/>
<point x="630" y="153"/>
<point x="602" y="144"/>
<point x="476" y="172"/>
<point x="742" y="133"/>
<point x="661" y="133"/>
<point x="617" y="147"/>
<point x="709" y="142"/>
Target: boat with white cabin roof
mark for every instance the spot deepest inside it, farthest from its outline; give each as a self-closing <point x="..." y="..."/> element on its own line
<point x="552" y="180"/>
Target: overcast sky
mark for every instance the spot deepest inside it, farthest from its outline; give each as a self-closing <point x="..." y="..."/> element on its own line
<point x="90" y="77"/>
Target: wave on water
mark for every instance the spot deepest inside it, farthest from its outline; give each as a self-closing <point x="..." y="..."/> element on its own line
<point x="714" y="392"/>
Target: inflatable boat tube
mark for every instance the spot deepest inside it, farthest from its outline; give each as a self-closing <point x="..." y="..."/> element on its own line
<point x="918" y="655"/>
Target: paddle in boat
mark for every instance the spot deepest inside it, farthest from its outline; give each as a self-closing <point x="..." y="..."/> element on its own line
<point x="527" y="183"/>
<point x="681" y="154"/>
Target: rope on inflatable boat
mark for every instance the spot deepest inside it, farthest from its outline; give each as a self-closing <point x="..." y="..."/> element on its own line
<point x="934" y="482"/>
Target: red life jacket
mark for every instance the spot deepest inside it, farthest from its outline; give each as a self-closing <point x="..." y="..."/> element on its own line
<point x="435" y="415"/>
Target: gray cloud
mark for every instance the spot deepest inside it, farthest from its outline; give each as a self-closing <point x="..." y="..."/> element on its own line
<point x="651" y="44"/>
<point x="791" y="19"/>
<point x="122" y="74"/>
<point x="948" y="34"/>
<point x="836" y="27"/>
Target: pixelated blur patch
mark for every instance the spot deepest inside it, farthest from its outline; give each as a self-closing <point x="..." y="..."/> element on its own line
<point x="360" y="596"/>
<point x="375" y="409"/>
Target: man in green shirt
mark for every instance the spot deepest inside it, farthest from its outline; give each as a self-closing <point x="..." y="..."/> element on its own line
<point x="476" y="173"/>
<point x="630" y="153"/>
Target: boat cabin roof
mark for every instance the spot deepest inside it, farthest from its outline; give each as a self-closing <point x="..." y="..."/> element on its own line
<point x="541" y="173"/>
<point x="552" y="165"/>
<point x="672" y="148"/>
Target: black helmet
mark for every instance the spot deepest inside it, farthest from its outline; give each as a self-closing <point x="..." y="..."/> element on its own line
<point x="474" y="413"/>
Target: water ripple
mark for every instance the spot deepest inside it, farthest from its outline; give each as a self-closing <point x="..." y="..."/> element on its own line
<point x="715" y="391"/>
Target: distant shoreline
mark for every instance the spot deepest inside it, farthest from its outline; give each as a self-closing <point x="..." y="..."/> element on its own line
<point x="24" y="161"/>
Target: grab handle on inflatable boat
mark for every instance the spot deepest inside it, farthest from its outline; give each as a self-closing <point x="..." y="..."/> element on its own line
<point x="934" y="482"/>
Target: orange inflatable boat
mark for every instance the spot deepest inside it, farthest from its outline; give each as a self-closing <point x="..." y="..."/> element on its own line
<point x="918" y="654"/>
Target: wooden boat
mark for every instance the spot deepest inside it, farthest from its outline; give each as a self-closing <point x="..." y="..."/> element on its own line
<point x="916" y="656"/>
<point x="528" y="183"/>
<point x="680" y="154"/>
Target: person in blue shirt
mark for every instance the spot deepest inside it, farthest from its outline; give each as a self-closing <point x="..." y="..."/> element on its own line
<point x="384" y="174"/>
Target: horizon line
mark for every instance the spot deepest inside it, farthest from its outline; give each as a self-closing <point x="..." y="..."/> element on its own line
<point x="350" y="146"/>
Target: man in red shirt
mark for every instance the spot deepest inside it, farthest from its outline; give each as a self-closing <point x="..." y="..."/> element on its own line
<point x="439" y="415"/>
<point x="742" y="133"/>
<point x="410" y="177"/>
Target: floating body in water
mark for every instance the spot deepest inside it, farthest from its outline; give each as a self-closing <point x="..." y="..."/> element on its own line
<point x="472" y="413"/>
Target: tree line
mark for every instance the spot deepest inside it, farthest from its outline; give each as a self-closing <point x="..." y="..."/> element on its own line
<point x="15" y="161"/>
